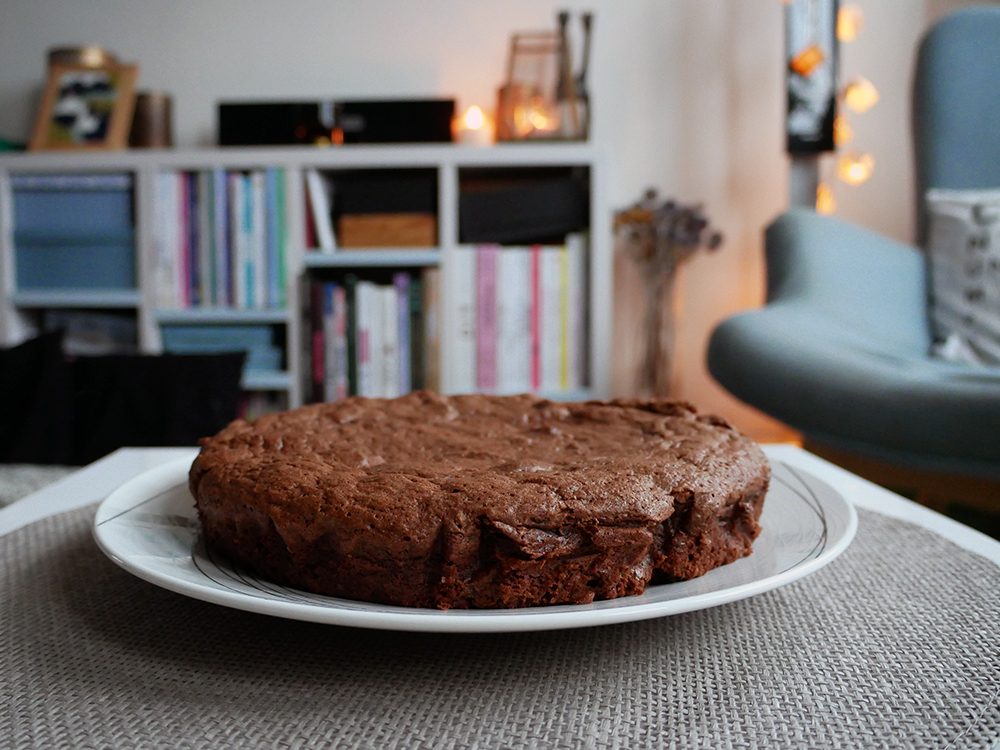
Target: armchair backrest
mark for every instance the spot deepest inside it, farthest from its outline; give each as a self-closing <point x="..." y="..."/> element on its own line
<point x="956" y="104"/>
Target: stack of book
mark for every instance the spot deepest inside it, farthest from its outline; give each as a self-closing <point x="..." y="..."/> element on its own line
<point x="517" y="319"/>
<point x="221" y="239"/>
<point x="372" y="339"/>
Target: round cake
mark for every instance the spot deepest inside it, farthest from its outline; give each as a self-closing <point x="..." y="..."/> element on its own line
<point x="480" y="501"/>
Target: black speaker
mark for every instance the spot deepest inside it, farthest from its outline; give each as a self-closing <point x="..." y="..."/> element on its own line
<point x="379" y="121"/>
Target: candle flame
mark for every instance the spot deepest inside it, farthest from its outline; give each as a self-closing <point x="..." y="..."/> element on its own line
<point x="474" y="118"/>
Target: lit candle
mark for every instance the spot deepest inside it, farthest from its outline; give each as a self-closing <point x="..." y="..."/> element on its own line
<point x="475" y="128"/>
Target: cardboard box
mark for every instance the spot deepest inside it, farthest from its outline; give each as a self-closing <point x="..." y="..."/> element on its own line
<point x="387" y="230"/>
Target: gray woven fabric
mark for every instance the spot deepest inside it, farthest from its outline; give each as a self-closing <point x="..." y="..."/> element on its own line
<point x="895" y="644"/>
<point x="20" y="480"/>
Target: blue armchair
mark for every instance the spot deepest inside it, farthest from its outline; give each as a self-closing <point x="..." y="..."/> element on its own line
<point x="841" y="349"/>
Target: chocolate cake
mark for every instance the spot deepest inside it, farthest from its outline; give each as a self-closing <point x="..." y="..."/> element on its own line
<point x="480" y="501"/>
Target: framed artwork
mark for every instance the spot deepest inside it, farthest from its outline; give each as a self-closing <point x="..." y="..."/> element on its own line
<point x="85" y="108"/>
<point x="810" y="74"/>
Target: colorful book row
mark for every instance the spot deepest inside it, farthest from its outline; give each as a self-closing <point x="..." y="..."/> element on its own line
<point x="518" y="317"/>
<point x="221" y="239"/>
<point x="372" y="339"/>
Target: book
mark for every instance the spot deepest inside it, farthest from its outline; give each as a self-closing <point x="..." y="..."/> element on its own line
<point x="430" y="304"/>
<point x="220" y="238"/>
<point x="236" y="239"/>
<point x="191" y="247"/>
<point x="401" y="284"/>
<point x="365" y="304"/>
<point x="271" y="229"/>
<point x="183" y="241"/>
<point x="206" y="253"/>
<point x="316" y="341"/>
<point x="318" y="190"/>
<point x="330" y="362"/>
<point x="551" y="318"/>
<point x="577" y="251"/>
<point x="350" y="289"/>
<point x="461" y="332"/>
<point x="341" y="385"/>
<point x="389" y="361"/>
<point x="486" y="317"/>
<point x="258" y="241"/>
<point x="167" y="260"/>
<point x="514" y="320"/>
<point x="416" y="320"/>
<point x="281" y="229"/>
<point x="536" y="317"/>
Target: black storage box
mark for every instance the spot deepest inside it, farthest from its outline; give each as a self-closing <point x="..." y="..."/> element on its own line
<point x="391" y="121"/>
<point x="387" y="121"/>
<point x="274" y="123"/>
<point x="522" y="209"/>
<point x="385" y="191"/>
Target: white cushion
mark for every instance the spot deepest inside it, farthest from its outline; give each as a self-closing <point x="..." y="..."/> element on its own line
<point x="964" y="256"/>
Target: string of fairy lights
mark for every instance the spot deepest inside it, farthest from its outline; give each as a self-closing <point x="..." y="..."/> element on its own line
<point x="851" y="165"/>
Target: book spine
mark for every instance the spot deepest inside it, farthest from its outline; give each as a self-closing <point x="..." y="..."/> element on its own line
<point x="271" y="235"/>
<point x="461" y="295"/>
<point x="431" y="333"/>
<point x="193" y="249"/>
<point x="401" y="283"/>
<point x="390" y="342"/>
<point x="281" y="224"/>
<point x="330" y="374"/>
<point x="341" y="384"/>
<point x="514" y="320"/>
<point x="166" y="243"/>
<point x="258" y="239"/>
<point x="563" y="318"/>
<point x="351" y="290"/>
<point x="205" y="251"/>
<point x="536" y="317"/>
<point x="319" y="203"/>
<point x="364" y="314"/>
<point x="316" y="340"/>
<point x="577" y="247"/>
<point x="220" y="240"/>
<point x="183" y="243"/>
<point x="415" y="304"/>
<point x="551" y="323"/>
<point x="237" y="288"/>
<point x="486" y="318"/>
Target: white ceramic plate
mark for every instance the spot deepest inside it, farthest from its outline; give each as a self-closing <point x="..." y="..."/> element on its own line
<point x="149" y="527"/>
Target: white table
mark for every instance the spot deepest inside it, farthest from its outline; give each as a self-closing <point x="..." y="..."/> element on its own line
<point x="894" y="646"/>
<point x="93" y="483"/>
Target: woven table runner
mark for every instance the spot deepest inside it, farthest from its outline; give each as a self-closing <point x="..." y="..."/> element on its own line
<point x="894" y="644"/>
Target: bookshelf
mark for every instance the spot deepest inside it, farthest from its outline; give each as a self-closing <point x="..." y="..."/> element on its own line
<point x="136" y="237"/>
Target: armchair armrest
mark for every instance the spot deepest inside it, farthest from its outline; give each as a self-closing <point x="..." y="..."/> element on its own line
<point x="852" y="277"/>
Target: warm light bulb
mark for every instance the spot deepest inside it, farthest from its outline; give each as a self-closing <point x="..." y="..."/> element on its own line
<point x="855" y="168"/>
<point x="842" y="130"/>
<point x="825" y="203"/>
<point x="860" y="95"/>
<point x="850" y="20"/>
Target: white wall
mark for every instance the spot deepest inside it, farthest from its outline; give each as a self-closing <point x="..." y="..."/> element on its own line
<point x="688" y="98"/>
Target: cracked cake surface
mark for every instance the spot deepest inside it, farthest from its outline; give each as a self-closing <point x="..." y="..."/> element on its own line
<point x="480" y="501"/>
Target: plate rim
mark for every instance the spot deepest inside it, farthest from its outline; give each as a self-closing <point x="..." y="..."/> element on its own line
<point x="456" y="620"/>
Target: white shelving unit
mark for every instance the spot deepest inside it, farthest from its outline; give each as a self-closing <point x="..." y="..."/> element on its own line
<point x="18" y="307"/>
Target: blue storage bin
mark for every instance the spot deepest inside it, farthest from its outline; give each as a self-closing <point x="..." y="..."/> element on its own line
<point x="74" y="232"/>
<point x="255" y="340"/>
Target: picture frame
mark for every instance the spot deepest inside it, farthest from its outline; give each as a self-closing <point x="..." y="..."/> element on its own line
<point x="811" y="72"/>
<point x="85" y="108"/>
